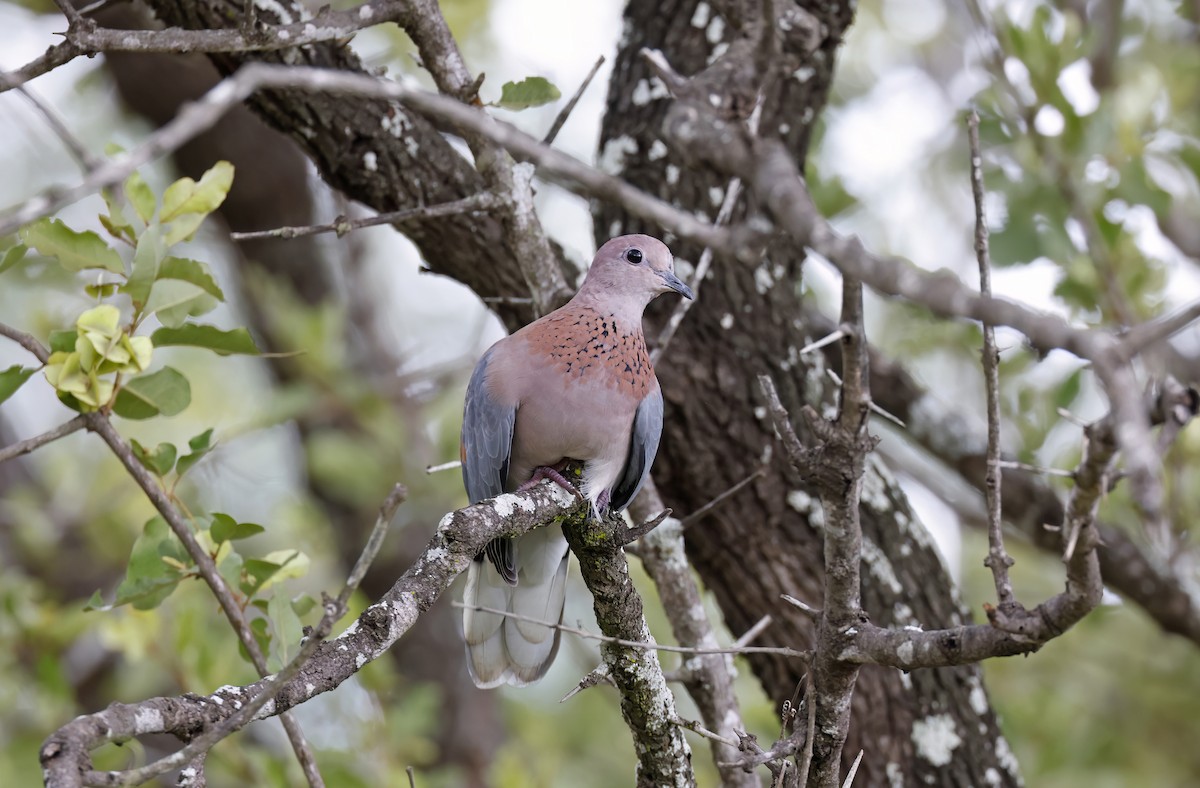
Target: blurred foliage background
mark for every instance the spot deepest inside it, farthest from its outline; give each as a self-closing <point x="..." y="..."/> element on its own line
<point x="1092" y="157"/>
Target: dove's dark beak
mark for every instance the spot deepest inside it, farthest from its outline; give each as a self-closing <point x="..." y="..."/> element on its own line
<point x="673" y="282"/>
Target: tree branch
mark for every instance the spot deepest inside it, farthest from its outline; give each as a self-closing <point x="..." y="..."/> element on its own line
<point x="459" y="537"/>
<point x="997" y="559"/>
<point x="24" y="447"/>
<point x="647" y="705"/>
<point x="334" y="609"/>
<point x="99" y="423"/>
<point x="709" y="679"/>
<point x="1018" y="631"/>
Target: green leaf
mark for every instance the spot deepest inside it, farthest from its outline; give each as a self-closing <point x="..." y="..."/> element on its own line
<point x="165" y="392"/>
<point x="261" y="634"/>
<point x="192" y="271"/>
<point x="150" y="579"/>
<point x="76" y="251"/>
<point x="225" y="529"/>
<point x="140" y="197"/>
<point x="230" y="566"/>
<point x="202" y="442"/>
<point x="12" y="379"/>
<point x="303" y="604"/>
<point x="100" y="291"/>
<point x="115" y="222"/>
<point x="63" y="341"/>
<point x="287" y="627"/>
<point x="183" y="228"/>
<point x="279" y="565"/>
<point x="1069" y="390"/>
<point x="12" y="257"/>
<point x="188" y="196"/>
<point x="174" y="301"/>
<point x="220" y="342"/>
<point x="200" y="446"/>
<point x="529" y="92"/>
<point x="96" y="602"/>
<point x="160" y="461"/>
<point x="146" y="261"/>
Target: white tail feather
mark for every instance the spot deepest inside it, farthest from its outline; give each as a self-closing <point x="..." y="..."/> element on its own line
<point x="505" y="650"/>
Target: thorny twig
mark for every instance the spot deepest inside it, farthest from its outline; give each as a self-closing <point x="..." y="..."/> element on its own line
<point x="997" y="559"/>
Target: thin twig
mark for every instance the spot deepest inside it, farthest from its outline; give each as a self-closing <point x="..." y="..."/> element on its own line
<point x="597" y="675"/>
<point x="445" y="466"/>
<point x="998" y="559"/>
<point x="77" y="149"/>
<point x="583" y="633"/>
<point x="853" y="770"/>
<point x="720" y="499"/>
<point x="828" y="339"/>
<point x="810" y="704"/>
<point x="1042" y="469"/>
<point x="29" y="444"/>
<point x="200" y="115"/>
<point x="482" y="201"/>
<point x="1142" y="336"/>
<point x="566" y="111"/>
<point x="751" y="634"/>
<point x="723" y="215"/>
<point x="99" y="423"/>
<point x="697" y="728"/>
<point x="334" y="610"/>
<point x="27" y="341"/>
<point x="878" y="411"/>
<point x="808" y="610"/>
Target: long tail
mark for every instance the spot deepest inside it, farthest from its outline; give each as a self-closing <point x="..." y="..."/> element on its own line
<point x="502" y="649"/>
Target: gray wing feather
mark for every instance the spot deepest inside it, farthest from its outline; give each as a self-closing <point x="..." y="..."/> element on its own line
<point x="643" y="445"/>
<point x="487" y="436"/>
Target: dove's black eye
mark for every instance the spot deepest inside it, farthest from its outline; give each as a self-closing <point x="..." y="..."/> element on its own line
<point x="634" y="256"/>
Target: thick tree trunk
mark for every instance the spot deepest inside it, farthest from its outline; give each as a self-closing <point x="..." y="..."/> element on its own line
<point x="932" y="727"/>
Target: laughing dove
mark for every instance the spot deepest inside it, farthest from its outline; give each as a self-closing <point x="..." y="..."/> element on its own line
<point x="575" y="385"/>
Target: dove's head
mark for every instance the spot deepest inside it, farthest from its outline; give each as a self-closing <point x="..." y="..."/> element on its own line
<point x="633" y="270"/>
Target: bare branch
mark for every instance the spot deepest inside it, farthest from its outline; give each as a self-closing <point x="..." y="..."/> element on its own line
<point x="29" y="444"/>
<point x="697" y="728"/>
<point x="334" y="610"/>
<point x="477" y="202"/>
<point x="1017" y="631"/>
<point x="597" y="675"/>
<point x="565" y="112"/>
<point x="77" y="149"/>
<point x="700" y="513"/>
<point x="708" y="679"/>
<point x="460" y="536"/>
<point x="27" y="341"/>
<point x="1141" y="337"/>
<point x="997" y="559"/>
<point x="202" y="114"/>
<point x="642" y="645"/>
<point x="51" y="59"/>
<point x="647" y="704"/>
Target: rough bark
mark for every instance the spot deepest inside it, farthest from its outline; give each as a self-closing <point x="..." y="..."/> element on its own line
<point x="745" y="323"/>
<point x="412" y="164"/>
